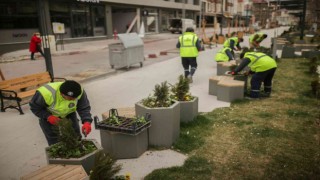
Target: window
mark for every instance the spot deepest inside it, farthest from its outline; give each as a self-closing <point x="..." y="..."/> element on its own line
<point x="98" y="15"/>
<point x="60" y="12"/>
<point x="18" y="15"/>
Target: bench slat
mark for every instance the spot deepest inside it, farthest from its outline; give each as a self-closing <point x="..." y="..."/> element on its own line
<point x="25" y="81"/>
<point x="26" y="93"/>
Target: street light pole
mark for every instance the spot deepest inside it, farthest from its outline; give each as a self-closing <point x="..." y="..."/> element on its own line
<point x="221" y="23"/>
<point x="200" y="17"/>
<point x="43" y="26"/>
<point x="303" y="19"/>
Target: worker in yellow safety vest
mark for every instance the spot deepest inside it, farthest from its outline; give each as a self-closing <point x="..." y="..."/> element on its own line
<point x="233" y="43"/>
<point x="189" y="45"/>
<point x="224" y="55"/>
<point x="256" y="39"/>
<point x="262" y="67"/>
<point x="61" y="100"/>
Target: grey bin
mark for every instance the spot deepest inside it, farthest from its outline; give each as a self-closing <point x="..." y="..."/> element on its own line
<point x="126" y="53"/>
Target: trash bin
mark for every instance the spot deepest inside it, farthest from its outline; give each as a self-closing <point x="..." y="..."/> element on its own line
<point x="126" y="53"/>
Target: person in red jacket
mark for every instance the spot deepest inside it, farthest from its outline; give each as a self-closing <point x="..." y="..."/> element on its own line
<point x="35" y="45"/>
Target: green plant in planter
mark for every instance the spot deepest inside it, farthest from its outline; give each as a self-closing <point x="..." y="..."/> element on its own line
<point x="139" y="120"/>
<point x="104" y="167"/>
<point x="180" y="91"/>
<point x="114" y="119"/>
<point x="70" y="144"/>
<point x="160" y="98"/>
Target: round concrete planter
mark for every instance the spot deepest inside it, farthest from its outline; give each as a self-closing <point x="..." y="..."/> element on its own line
<point x="188" y="110"/>
<point x="165" y="123"/>
<point x="86" y="161"/>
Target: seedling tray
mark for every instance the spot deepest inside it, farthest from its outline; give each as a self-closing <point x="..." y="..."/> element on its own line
<point x="125" y="125"/>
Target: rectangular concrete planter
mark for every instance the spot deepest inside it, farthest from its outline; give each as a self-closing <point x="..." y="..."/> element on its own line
<point x="165" y="123"/>
<point x="124" y="146"/>
<point x="127" y="139"/>
<point x="288" y="52"/>
<point x="188" y="110"/>
<point x="86" y="161"/>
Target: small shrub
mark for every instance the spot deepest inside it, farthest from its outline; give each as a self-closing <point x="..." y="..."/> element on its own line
<point x="160" y="98"/>
<point x="104" y="167"/>
<point x="70" y="144"/>
<point x="180" y="91"/>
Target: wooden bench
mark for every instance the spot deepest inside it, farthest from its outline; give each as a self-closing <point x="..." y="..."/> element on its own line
<point x="56" y="171"/>
<point x="19" y="88"/>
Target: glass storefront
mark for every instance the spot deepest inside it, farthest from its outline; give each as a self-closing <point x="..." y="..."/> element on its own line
<point x="18" y="14"/>
<point x="80" y="19"/>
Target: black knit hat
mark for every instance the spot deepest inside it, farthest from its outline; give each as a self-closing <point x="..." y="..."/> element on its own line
<point x="70" y="88"/>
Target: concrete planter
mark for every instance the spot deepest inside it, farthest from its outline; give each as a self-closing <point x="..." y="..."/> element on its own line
<point x="128" y="139"/>
<point x="188" y="110"/>
<point x="165" y="123"/>
<point x="288" y="52"/>
<point x="124" y="146"/>
<point x="86" y="161"/>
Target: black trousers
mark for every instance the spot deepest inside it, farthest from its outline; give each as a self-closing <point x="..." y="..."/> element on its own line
<point x="259" y="78"/>
<point x="39" y="50"/>
<point x="49" y="132"/>
<point x="189" y="65"/>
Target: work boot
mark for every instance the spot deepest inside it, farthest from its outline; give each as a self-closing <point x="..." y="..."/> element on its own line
<point x="190" y="79"/>
<point x="251" y="98"/>
<point x="264" y="95"/>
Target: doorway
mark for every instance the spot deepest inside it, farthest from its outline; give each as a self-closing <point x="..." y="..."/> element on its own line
<point x="81" y="23"/>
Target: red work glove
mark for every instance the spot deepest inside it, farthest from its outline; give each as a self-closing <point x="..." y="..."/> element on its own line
<point x="53" y="119"/>
<point x="233" y="73"/>
<point x="86" y="128"/>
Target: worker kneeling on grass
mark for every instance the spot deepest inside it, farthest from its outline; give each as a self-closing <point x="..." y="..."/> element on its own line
<point x="55" y="101"/>
<point x="224" y="55"/>
<point x="262" y="67"/>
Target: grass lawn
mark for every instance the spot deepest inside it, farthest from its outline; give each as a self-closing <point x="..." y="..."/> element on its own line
<point x="273" y="138"/>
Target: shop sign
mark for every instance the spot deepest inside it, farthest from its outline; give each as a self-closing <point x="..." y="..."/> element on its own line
<point x="89" y="1"/>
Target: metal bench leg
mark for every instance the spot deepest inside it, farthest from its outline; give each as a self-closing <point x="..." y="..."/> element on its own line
<point x="19" y="108"/>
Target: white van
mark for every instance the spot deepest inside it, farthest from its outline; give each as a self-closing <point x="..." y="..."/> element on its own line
<point x="178" y="25"/>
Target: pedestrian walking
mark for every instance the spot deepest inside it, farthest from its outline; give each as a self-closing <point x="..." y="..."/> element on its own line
<point x="35" y="45"/>
<point x="256" y="39"/>
<point x="190" y="46"/>
<point x="262" y="67"/>
<point x="224" y="55"/>
<point x="58" y="100"/>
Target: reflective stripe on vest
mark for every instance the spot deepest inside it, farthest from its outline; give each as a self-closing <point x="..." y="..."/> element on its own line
<point x="260" y="62"/>
<point x="222" y="56"/>
<point x="57" y="105"/>
<point x="227" y="42"/>
<point x="188" y="45"/>
<point x="258" y="39"/>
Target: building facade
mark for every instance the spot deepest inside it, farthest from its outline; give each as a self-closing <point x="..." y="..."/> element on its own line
<point x="88" y="19"/>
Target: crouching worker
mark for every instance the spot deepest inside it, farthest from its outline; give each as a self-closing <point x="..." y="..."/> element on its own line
<point x="55" y="101"/>
<point x="262" y="67"/>
<point x="224" y="55"/>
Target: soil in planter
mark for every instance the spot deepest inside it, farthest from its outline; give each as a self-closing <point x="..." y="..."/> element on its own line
<point x="69" y="143"/>
<point x="60" y="151"/>
<point x="123" y="124"/>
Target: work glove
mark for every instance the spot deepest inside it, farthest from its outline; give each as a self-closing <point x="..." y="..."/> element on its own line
<point x="233" y="73"/>
<point x="86" y="128"/>
<point x="53" y="119"/>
